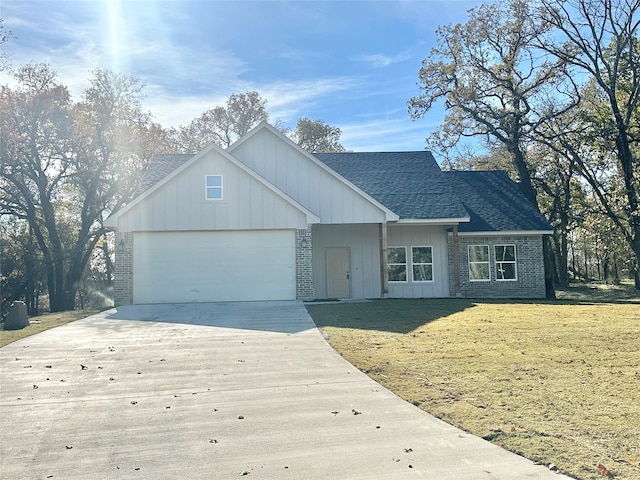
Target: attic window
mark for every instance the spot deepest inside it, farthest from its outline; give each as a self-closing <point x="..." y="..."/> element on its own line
<point x="213" y="187"/>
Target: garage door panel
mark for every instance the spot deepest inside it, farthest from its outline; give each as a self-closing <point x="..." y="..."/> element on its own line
<point x="214" y="266"/>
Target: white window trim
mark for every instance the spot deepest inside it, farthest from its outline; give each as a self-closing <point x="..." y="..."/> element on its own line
<point x="488" y="262"/>
<point x="406" y="265"/>
<point x="514" y="262"/>
<point x="419" y="263"/>
<point x="207" y="188"/>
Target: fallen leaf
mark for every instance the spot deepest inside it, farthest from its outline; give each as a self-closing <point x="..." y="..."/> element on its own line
<point x="355" y="412"/>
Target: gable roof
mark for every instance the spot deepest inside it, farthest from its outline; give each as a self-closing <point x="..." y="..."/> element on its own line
<point x="495" y="203"/>
<point x="409" y="183"/>
<point x="166" y="166"/>
<point x="266" y="127"/>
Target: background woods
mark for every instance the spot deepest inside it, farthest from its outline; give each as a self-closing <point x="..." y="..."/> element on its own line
<point x="546" y="90"/>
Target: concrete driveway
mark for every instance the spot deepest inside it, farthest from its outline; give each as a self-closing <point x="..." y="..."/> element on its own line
<point x="207" y="391"/>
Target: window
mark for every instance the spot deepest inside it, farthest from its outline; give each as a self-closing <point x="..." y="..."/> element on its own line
<point x="422" y="264"/>
<point x="506" y="262"/>
<point x="397" y="264"/>
<point x="213" y="187"/>
<point x="479" y="263"/>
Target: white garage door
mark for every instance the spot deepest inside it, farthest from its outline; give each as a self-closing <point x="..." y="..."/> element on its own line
<point x="213" y="266"/>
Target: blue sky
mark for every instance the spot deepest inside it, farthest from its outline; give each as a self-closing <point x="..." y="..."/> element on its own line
<point x="352" y="64"/>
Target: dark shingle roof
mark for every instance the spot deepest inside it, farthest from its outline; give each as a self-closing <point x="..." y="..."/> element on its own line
<point x="410" y="184"/>
<point x="495" y="203"/>
<point x="159" y="167"/>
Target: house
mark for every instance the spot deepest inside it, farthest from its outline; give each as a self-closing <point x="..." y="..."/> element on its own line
<point x="265" y="220"/>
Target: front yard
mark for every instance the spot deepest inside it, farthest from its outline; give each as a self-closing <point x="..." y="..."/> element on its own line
<point x="557" y="382"/>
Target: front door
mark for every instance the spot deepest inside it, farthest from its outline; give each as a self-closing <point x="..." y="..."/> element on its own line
<point x="338" y="272"/>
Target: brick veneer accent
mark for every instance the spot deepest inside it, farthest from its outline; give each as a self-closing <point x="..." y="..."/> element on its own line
<point x="123" y="278"/>
<point x="529" y="264"/>
<point x="304" y="270"/>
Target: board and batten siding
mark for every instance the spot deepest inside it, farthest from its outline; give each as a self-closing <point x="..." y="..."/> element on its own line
<point x="305" y="179"/>
<point x="363" y="242"/>
<point x="421" y="236"/>
<point x="180" y="203"/>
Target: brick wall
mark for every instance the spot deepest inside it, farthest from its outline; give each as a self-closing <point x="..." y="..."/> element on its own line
<point x="529" y="263"/>
<point x="123" y="278"/>
<point x="304" y="269"/>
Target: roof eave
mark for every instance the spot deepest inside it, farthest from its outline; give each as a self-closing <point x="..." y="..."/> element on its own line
<point x="497" y="233"/>
<point x="433" y="221"/>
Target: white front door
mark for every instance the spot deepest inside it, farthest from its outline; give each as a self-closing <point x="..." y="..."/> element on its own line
<point x="338" y="272"/>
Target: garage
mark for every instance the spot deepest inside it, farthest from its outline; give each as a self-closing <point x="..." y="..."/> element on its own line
<point x="213" y="266"/>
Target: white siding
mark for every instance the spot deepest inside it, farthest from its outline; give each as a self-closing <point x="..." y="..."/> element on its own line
<point x="180" y="203"/>
<point x="421" y="236"/>
<point x="363" y="242"/>
<point x="304" y="180"/>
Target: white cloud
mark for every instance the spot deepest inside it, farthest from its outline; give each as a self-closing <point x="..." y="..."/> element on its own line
<point x="386" y="134"/>
<point x="381" y="60"/>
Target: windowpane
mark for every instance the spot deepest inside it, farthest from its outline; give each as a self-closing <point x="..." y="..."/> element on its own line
<point x="397" y="273"/>
<point x="422" y="260"/>
<point x="506" y="271"/>
<point x="396" y="255"/>
<point x="213" y="187"/>
<point x="478" y="253"/>
<point x="479" y="263"/>
<point x="422" y="273"/>
<point x="214" y="193"/>
<point x="506" y="262"/>
<point x="422" y="255"/>
<point x="214" y="180"/>
<point x="479" y="271"/>
<point x="397" y="264"/>
<point x="505" y="253"/>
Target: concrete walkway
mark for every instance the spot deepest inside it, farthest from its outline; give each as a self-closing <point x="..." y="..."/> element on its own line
<point x="209" y="391"/>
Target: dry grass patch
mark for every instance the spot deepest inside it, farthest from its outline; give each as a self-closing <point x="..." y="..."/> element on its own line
<point x="555" y="382"/>
<point x="41" y="323"/>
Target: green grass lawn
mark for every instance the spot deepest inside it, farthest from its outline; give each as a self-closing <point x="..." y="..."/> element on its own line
<point x="557" y="382"/>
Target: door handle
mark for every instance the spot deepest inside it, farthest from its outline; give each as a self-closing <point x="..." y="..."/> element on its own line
<point x="347" y="275"/>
